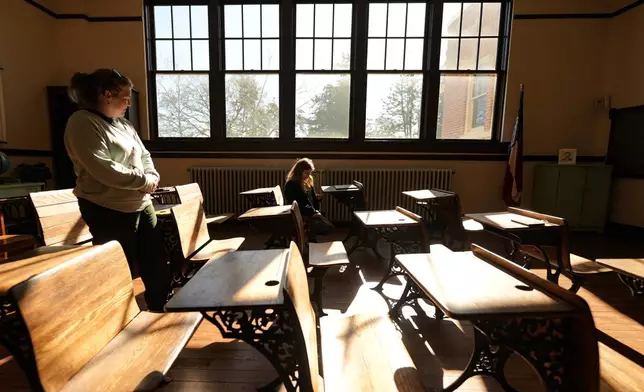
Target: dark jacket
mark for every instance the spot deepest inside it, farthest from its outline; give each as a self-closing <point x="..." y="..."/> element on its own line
<point x="307" y="201"/>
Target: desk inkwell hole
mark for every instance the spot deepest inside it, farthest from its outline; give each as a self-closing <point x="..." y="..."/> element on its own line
<point x="272" y="283"/>
<point x="524" y="287"/>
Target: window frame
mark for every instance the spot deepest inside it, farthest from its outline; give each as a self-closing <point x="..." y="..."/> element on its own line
<point x="356" y="142"/>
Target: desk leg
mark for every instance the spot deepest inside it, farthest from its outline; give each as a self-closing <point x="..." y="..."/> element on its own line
<point x="636" y="286"/>
<point x="486" y="360"/>
<point x="398" y="246"/>
<point x="15" y="337"/>
<point x="270" y="331"/>
<point x="542" y="342"/>
<point x="410" y="296"/>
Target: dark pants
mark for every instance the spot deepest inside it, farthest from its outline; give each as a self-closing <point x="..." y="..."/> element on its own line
<point x="141" y="241"/>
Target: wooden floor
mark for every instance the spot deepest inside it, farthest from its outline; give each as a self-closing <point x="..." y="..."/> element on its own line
<point x="441" y="349"/>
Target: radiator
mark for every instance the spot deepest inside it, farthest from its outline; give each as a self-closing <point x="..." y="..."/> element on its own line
<point x="383" y="187"/>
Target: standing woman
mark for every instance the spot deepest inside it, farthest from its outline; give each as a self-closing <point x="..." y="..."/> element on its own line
<point x="115" y="176"/>
<point x="299" y="187"/>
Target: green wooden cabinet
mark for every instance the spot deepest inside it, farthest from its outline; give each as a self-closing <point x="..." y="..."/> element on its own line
<point x="579" y="193"/>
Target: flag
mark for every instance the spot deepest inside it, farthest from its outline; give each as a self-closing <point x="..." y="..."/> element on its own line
<point x="513" y="182"/>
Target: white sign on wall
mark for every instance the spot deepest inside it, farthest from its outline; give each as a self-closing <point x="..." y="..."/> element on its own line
<point x="567" y="156"/>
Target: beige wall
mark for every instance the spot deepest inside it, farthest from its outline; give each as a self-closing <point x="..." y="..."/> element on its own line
<point x="27" y="56"/>
<point x="561" y="62"/>
<point x="626" y="77"/>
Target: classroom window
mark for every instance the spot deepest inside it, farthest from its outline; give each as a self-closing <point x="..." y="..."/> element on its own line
<point x="182" y="49"/>
<point x="346" y="76"/>
<point x="468" y="64"/>
<point x="252" y="54"/>
<point x="322" y="65"/>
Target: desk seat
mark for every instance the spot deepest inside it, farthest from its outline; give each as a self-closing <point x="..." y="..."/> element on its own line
<point x="580" y="265"/>
<point x="364" y="352"/>
<point x="327" y="254"/>
<point x="217" y="219"/>
<point x="217" y="248"/>
<point x="139" y="356"/>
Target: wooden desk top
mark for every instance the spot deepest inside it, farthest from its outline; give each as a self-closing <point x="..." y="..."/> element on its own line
<point x="265" y="212"/>
<point x="34" y="262"/>
<point x="384" y="218"/>
<point x="258" y="191"/>
<point x="466" y="287"/>
<point x="332" y="189"/>
<point x="631" y="267"/>
<point x="427" y="194"/>
<point x="503" y="221"/>
<point x="236" y="280"/>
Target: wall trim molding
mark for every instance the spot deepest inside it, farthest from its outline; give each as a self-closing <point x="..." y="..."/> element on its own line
<point x="606" y="15"/>
<point x="88" y="18"/>
<point x="83" y="16"/>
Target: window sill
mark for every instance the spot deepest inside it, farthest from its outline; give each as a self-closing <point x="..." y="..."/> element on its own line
<point x="331" y="149"/>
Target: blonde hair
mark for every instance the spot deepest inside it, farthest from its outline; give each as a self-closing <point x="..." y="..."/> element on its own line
<point x="296" y="173"/>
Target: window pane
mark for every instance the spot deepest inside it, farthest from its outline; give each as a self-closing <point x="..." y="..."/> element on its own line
<point x="304" y="23"/>
<point x="487" y="53"/>
<point x="232" y="21"/>
<point x="342" y="24"/>
<point x="271" y="54"/>
<point x="271" y="21"/>
<point x="396" y="20"/>
<point x="491" y="16"/>
<point x="393" y="106"/>
<point x="234" y="55"/>
<point x="322" y="54"/>
<point x="304" y="54"/>
<point x="252" y="105"/>
<point x="181" y="21"/>
<point x="252" y="54"/>
<point x="376" y="54"/>
<point x="449" y="53"/>
<point x="416" y="20"/>
<point x="469" y="47"/>
<point x="471" y="19"/>
<point x="466" y="107"/>
<point x="341" y="54"/>
<point x="164" y="55"/>
<point x="183" y="105"/>
<point x="377" y="20"/>
<point x="251" y="21"/>
<point x="199" y="15"/>
<point x="182" y="61"/>
<point x="162" y="22"/>
<point x="414" y="54"/>
<point x="395" y="53"/>
<point x="451" y="19"/>
<point x="322" y="106"/>
<point x="200" y="55"/>
<point x="323" y="20"/>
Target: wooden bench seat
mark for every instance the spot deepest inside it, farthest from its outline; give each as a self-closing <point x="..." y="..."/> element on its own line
<point x="359" y="353"/>
<point x="577" y="268"/>
<point x="579" y="265"/>
<point x="196" y="244"/>
<point x="192" y="191"/>
<point x="59" y="218"/>
<point x="629" y="271"/>
<point x="318" y="256"/>
<point x="86" y="330"/>
<point x="364" y="352"/>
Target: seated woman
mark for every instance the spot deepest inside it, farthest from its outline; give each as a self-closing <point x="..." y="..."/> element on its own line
<point x="299" y="187"/>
